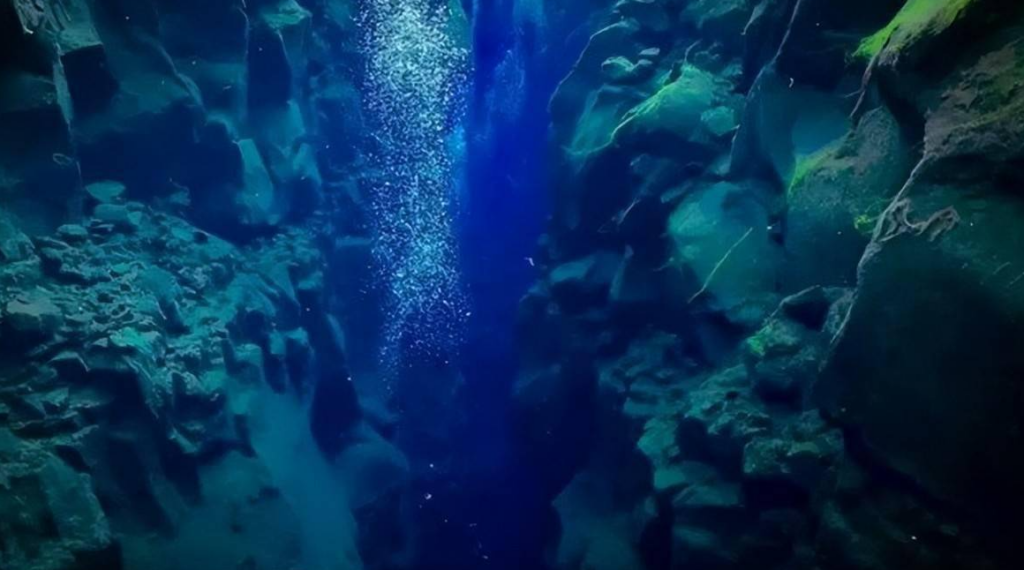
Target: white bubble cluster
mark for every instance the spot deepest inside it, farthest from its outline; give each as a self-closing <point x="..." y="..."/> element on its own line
<point x="416" y="73"/>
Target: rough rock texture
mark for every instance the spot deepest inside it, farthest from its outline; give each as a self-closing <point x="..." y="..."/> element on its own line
<point x="204" y="105"/>
<point x="807" y="356"/>
<point x="136" y="361"/>
<point x="174" y="381"/>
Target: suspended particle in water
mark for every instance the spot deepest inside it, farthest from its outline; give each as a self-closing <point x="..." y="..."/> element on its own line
<point x="416" y="75"/>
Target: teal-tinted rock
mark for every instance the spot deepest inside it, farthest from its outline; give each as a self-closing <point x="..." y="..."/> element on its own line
<point x="670" y="122"/>
<point x="621" y="70"/>
<point x="707" y="496"/>
<point x="106" y="192"/>
<point x="584" y="282"/>
<point x="73" y="233"/>
<point x="722" y="18"/>
<point x="719" y="121"/>
<point x="76" y="510"/>
<point x="720" y="417"/>
<point x="247" y="364"/>
<point x="576" y="94"/>
<point x="835" y="199"/>
<point x="800" y="456"/>
<point x="132" y="340"/>
<point x="722" y="239"/>
<point x="652" y="15"/>
<point x="257" y="198"/>
<point x="33" y="315"/>
<point x="14" y="245"/>
<point x="935" y="287"/>
<point x="119" y="217"/>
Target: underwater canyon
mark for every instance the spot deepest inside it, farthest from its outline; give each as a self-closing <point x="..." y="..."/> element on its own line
<point x="511" y="284"/>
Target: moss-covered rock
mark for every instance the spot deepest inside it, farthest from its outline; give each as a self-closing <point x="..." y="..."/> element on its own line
<point x="916" y="21"/>
<point x="673" y="119"/>
<point x="782" y="125"/>
<point x="719" y="18"/>
<point x="836" y="196"/>
<point x="573" y="93"/>
<point x="980" y="109"/>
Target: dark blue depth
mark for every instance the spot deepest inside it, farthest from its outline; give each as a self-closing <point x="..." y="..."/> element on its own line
<point x="490" y="513"/>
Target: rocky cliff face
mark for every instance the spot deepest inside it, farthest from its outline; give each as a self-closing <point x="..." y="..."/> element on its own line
<point x="781" y="289"/>
<point x="180" y="244"/>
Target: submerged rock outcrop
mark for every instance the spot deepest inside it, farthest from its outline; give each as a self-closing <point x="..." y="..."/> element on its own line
<point x="138" y="358"/>
<point x="181" y="243"/>
<point x="776" y="324"/>
<point x="779" y="294"/>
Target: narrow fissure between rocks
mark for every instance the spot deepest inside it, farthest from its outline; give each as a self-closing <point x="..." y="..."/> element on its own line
<point x="511" y="284"/>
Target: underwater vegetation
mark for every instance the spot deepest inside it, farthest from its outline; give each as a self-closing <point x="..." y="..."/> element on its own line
<point x="511" y="284"/>
<point x="916" y="20"/>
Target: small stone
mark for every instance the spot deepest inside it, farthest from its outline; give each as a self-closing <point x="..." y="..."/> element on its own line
<point x="705" y="498"/>
<point x="118" y="216"/>
<point x="195" y="392"/>
<point x="617" y="69"/>
<point x="33" y="315"/>
<point x="106" y="192"/>
<point x="73" y="233"/>
<point x="76" y="511"/>
<point x="719" y="121"/>
<point x="584" y="282"/>
<point x="14" y="245"/>
<point x="70" y="367"/>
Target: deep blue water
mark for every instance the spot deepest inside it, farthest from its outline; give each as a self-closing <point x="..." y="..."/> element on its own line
<point x="489" y="512"/>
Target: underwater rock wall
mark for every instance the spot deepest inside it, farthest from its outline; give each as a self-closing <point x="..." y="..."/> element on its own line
<point x="779" y="317"/>
<point x="182" y="246"/>
<point x="235" y="113"/>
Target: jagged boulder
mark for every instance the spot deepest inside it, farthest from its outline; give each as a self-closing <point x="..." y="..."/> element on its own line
<point x="654" y="16"/>
<point x="597" y="532"/>
<point x="938" y="290"/>
<point x="799" y="457"/>
<point x="209" y="43"/>
<point x="106" y="192"/>
<point x="50" y="515"/>
<point x="14" y="245"/>
<point x="682" y="119"/>
<point x="257" y="200"/>
<point x="926" y="354"/>
<point x="84" y="60"/>
<point x="721" y="417"/>
<point x="781" y="122"/>
<point x="979" y="112"/>
<point x="914" y="29"/>
<point x="835" y="198"/>
<point x="571" y="96"/>
<point x="722" y="241"/>
<point x="584" y="283"/>
<point x="38" y="173"/>
<point x="785" y="359"/>
<point x="784" y="356"/>
<point x="32" y="317"/>
<point x="621" y="70"/>
<point x="724" y="19"/>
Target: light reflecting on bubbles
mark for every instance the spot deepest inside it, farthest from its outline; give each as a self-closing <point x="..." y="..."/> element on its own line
<point x="415" y="77"/>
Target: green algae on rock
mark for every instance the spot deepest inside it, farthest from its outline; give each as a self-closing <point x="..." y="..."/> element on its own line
<point x="805" y="249"/>
<point x="917" y="19"/>
<point x="673" y="117"/>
